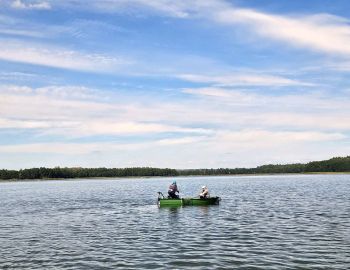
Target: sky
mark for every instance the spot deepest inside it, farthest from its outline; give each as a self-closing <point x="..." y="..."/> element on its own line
<point x="179" y="84"/>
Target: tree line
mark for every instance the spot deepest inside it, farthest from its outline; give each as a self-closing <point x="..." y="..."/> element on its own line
<point x="57" y="172"/>
<point x="337" y="164"/>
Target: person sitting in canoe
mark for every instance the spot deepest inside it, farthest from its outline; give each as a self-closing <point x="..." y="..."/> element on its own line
<point x="204" y="193"/>
<point x="172" y="191"/>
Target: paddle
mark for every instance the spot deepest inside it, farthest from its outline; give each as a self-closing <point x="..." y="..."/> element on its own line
<point x="160" y="194"/>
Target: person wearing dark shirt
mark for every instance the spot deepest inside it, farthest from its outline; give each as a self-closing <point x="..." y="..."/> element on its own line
<point x="173" y="190"/>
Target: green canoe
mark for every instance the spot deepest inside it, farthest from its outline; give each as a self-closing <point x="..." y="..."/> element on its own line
<point x="188" y="201"/>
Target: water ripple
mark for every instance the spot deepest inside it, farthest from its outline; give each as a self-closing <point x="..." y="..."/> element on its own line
<point x="267" y="222"/>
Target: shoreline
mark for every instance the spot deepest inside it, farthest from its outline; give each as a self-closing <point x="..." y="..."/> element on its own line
<point x="15" y="180"/>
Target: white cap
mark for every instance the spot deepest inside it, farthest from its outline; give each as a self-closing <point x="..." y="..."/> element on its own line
<point x="203" y="186"/>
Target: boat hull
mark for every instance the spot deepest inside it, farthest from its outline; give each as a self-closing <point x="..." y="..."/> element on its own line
<point x="188" y="201"/>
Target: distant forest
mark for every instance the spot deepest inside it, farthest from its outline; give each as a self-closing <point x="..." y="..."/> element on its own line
<point x="337" y="164"/>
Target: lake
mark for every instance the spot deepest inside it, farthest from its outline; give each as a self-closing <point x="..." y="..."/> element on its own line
<point x="262" y="222"/>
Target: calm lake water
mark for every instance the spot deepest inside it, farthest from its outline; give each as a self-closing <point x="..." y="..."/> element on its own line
<point x="263" y="222"/>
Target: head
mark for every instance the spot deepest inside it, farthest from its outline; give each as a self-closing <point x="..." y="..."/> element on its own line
<point x="204" y="187"/>
<point x="174" y="183"/>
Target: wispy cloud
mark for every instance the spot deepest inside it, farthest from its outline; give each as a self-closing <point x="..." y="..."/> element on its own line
<point x="267" y="137"/>
<point x="20" y="32"/>
<point x="227" y="95"/>
<point x="63" y="148"/>
<point x="226" y="149"/>
<point x="75" y="111"/>
<point x="119" y="127"/>
<point x="320" y="32"/>
<point x="243" y="80"/>
<point x="342" y="66"/>
<point x="14" y="26"/>
<point x="90" y="147"/>
<point x="241" y="108"/>
<point x="57" y="57"/>
<point x="24" y="4"/>
<point x="18" y="76"/>
<point x="160" y="7"/>
<point x="229" y="139"/>
<point x="222" y="126"/>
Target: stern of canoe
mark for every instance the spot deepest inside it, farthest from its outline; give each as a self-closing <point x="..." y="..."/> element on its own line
<point x="170" y="202"/>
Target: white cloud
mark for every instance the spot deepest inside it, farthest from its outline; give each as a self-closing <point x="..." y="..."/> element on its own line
<point x="20" y="32"/>
<point x="343" y="66"/>
<point x="244" y="109"/>
<point x="319" y="32"/>
<point x="266" y="138"/>
<point x="18" y="76"/>
<point x="160" y="7"/>
<point x="58" y="148"/>
<point x="226" y="149"/>
<point x="172" y="8"/>
<point x="75" y="111"/>
<point x="224" y="139"/>
<point x="58" y="57"/>
<point x="31" y="124"/>
<point x="120" y="127"/>
<point x="79" y="111"/>
<point x="15" y="26"/>
<point x="243" y="80"/>
<point x="338" y="119"/>
<point x="184" y="140"/>
<point x="24" y="4"/>
<point x="87" y="148"/>
<point x="19" y="102"/>
<point x="230" y="96"/>
<point x="233" y="139"/>
<point x="93" y="127"/>
<point x="215" y="128"/>
<point x="314" y="100"/>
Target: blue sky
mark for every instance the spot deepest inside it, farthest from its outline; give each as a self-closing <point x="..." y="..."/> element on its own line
<point x="181" y="84"/>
